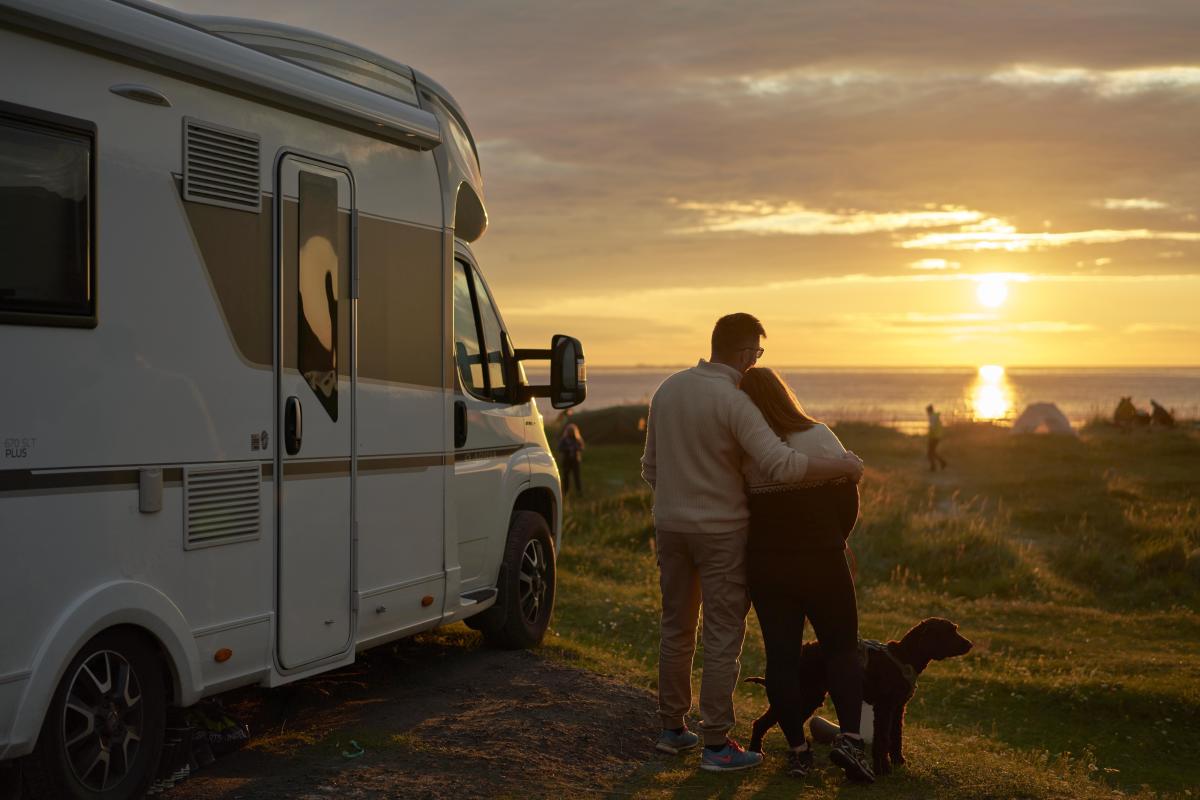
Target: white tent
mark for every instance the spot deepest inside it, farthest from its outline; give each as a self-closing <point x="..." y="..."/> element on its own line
<point x="1042" y="418"/>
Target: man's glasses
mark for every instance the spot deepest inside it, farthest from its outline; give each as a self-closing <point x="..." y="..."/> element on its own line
<point x="758" y="351"/>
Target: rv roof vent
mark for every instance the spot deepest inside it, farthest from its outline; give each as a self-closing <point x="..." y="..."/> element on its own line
<point x="221" y="505"/>
<point x="220" y="166"/>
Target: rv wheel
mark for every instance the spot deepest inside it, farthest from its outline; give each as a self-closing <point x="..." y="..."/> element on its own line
<point x="527" y="581"/>
<point x="103" y="733"/>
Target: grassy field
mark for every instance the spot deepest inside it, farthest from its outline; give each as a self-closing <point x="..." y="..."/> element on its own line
<point x="1074" y="565"/>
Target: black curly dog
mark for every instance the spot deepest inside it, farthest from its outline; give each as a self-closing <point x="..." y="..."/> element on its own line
<point x="889" y="681"/>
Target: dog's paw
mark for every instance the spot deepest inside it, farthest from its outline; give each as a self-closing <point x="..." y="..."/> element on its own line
<point x="897" y="759"/>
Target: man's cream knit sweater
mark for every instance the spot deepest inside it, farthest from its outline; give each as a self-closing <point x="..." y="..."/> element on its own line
<point x="700" y="427"/>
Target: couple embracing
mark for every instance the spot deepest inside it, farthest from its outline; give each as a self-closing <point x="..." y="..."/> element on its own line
<point x="752" y="502"/>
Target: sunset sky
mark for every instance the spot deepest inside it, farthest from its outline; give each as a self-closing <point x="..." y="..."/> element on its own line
<point x="850" y="172"/>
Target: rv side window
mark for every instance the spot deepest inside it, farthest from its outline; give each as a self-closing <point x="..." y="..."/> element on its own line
<point x="47" y="272"/>
<point x="466" y="334"/>
<point x="493" y="342"/>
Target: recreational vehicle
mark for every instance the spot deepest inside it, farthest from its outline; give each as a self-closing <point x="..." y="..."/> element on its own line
<point x="260" y="410"/>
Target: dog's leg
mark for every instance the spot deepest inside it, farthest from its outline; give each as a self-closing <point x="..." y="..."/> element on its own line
<point x="881" y="747"/>
<point x="810" y="701"/>
<point x="896" y="751"/>
<point x="760" y="727"/>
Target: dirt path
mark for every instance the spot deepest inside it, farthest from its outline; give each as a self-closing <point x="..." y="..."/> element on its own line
<point x="436" y="717"/>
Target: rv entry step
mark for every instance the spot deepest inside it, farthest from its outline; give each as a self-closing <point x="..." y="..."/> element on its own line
<point x="477" y="596"/>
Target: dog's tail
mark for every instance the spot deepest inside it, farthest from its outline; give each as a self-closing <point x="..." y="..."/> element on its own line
<point x="755" y="679"/>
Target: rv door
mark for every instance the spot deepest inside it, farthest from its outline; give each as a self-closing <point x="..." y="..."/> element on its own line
<point x="314" y="371"/>
<point x="489" y="428"/>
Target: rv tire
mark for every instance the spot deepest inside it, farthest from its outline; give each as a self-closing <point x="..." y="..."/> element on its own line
<point x="110" y="705"/>
<point x="526" y="586"/>
<point x="10" y="781"/>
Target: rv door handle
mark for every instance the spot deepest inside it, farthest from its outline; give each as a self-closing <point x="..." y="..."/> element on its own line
<point x="293" y="426"/>
<point x="460" y="423"/>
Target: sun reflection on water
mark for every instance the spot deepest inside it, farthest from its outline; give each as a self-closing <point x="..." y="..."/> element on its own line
<point x="991" y="395"/>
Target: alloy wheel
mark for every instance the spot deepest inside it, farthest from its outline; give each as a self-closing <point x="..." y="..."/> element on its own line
<point x="534" y="581"/>
<point x="103" y="720"/>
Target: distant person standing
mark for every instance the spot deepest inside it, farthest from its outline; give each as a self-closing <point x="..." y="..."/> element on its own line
<point x="699" y="429"/>
<point x="570" y="456"/>
<point x="935" y="438"/>
<point x="1160" y="416"/>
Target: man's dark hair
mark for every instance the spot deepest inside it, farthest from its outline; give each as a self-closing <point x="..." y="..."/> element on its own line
<point x="734" y="331"/>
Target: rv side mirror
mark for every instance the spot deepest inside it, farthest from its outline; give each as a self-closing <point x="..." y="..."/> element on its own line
<point x="568" y="372"/>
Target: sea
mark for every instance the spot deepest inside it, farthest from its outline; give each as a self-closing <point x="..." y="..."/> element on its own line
<point x="897" y="397"/>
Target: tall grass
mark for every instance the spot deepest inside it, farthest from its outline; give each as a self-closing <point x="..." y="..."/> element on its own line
<point x="1072" y="563"/>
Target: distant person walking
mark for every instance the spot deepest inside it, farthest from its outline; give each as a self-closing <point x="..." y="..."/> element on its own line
<point x="935" y="438"/>
<point x="570" y="455"/>
<point x="699" y="430"/>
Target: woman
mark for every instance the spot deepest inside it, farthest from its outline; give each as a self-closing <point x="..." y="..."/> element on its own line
<point x="796" y="569"/>
<point x="570" y="454"/>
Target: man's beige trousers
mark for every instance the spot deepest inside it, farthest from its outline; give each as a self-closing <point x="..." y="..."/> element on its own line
<point x="698" y="569"/>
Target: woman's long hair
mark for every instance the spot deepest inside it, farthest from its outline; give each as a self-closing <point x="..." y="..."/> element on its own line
<point x="571" y="433"/>
<point x="776" y="401"/>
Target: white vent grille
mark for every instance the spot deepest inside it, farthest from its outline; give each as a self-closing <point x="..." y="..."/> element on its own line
<point x="221" y="506"/>
<point x="220" y="166"/>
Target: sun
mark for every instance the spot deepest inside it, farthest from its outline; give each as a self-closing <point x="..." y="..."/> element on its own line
<point x="992" y="292"/>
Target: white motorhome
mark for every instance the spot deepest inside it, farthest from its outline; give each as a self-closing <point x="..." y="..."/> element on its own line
<point x="260" y="408"/>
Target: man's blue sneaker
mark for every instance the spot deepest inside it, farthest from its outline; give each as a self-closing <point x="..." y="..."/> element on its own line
<point x="729" y="758"/>
<point x="675" y="743"/>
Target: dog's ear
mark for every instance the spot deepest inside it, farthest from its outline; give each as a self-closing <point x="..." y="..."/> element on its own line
<point x="917" y="632"/>
<point x="926" y="628"/>
<point x="922" y="638"/>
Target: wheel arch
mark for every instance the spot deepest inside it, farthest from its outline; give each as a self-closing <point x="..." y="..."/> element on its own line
<point x="128" y="605"/>
<point x="542" y="501"/>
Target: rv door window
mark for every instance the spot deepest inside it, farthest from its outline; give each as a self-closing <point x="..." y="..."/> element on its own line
<point x="318" y="288"/>
<point x="466" y="334"/>
<point x="46" y="273"/>
<point x="493" y="342"/>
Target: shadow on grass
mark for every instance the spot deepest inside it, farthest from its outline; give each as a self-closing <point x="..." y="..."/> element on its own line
<point x="661" y="780"/>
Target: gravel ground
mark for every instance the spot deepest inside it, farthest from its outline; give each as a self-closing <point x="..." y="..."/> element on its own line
<point x="436" y="717"/>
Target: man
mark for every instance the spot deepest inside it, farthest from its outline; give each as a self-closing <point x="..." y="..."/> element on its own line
<point x="935" y="438"/>
<point x="699" y="427"/>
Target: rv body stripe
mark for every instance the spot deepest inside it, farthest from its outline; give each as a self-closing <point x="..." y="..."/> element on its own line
<point x="17" y="480"/>
<point x="498" y="452"/>
<point x="13" y="677"/>
<point x="221" y="627"/>
<point x="307" y="469"/>
<point x="378" y="463"/>
<point x="402" y="585"/>
<point x="22" y="480"/>
<point x="341" y="466"/>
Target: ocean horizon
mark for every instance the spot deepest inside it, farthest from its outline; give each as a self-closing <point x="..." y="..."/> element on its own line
<point x="897" y="396"/>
